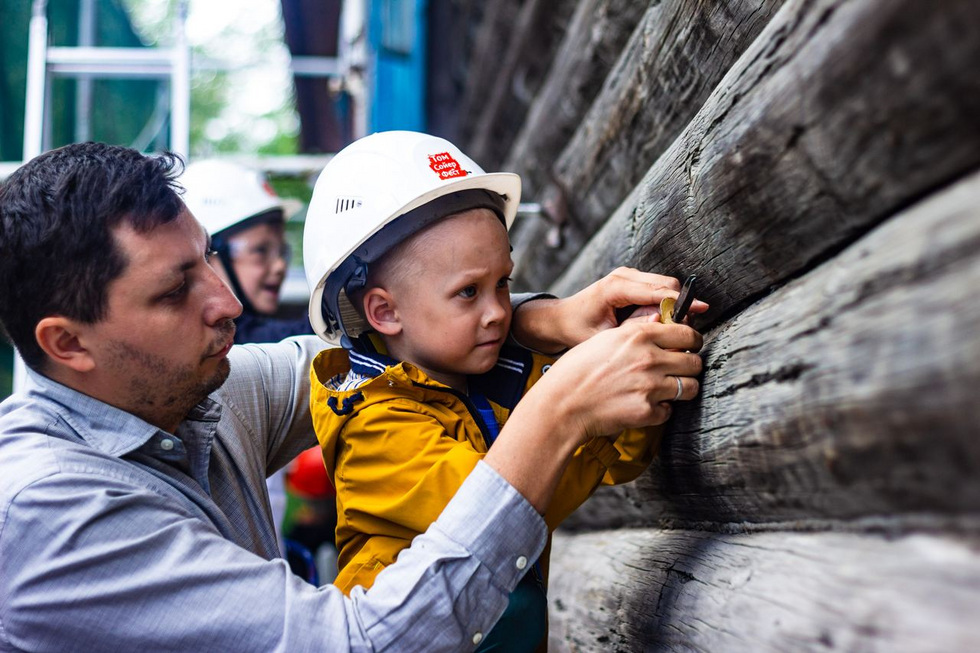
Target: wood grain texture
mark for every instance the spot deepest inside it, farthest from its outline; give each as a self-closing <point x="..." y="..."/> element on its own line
<point x="535" y="36"/>
<point x="840" y="114"/>
<point x="847" y="395"/>
<point x="451" y="27"/>
<point x="650" y="590"/>
<point x="492" y="35"/>
<point x="597" y="33"/>
<point x="675" y="57"/>
<point x="824" y="491"/>
<point x="611" y="247"/>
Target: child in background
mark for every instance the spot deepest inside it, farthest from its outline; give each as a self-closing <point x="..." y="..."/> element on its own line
<point x="407" y="252"/>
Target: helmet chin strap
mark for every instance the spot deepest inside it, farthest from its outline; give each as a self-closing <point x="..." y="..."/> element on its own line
<point x="351" y="276"/>
<point x="221" y="246"/>
<point x="358" y="277"/>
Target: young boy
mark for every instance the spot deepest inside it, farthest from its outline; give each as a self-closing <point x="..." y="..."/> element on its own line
<point x="407" y="251"/>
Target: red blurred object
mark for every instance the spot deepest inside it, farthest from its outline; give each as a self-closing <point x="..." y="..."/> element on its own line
<point x="307" y="478"/>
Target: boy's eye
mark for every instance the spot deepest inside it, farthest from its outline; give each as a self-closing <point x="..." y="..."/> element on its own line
<point x="468" y="292"/>
<point x="209" y="255"/>
<point x="504" y="282"/>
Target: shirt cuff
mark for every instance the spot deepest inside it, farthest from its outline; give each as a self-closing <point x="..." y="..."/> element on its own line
<point x="519" y="299"/>
<point x="496" y="524"/>
<point x="516" y="301"/>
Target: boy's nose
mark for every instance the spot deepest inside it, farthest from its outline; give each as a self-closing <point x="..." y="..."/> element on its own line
<point x="494" y="313"/>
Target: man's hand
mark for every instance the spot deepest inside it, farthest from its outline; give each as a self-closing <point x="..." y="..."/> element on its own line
<point x="620" y="378"/>
<point x="624" y="378"/>
<point x="553" y="325"/>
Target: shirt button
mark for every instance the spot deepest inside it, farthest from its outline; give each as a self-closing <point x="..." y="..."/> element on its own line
<point x="167" y="444"/>
<point x="477" y="638"/>
<point x="521" y="562"/>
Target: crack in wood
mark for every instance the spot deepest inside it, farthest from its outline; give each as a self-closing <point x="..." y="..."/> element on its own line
<point x="784" y="374"/>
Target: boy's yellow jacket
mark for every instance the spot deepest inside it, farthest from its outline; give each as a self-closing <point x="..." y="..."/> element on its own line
<point x="399" y="444"/>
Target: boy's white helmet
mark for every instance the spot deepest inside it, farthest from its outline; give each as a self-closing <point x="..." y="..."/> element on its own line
<point x="222" y="194"/>
<point x="364" y="188"/>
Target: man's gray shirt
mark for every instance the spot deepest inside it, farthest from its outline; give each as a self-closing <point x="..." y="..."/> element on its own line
<point x="115" y="535"/>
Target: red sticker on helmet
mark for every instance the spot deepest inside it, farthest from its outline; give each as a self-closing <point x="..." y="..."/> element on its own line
<point x="444" y="165"/>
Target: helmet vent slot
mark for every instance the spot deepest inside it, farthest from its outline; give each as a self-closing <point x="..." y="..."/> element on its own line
<point x="346" y="204"/>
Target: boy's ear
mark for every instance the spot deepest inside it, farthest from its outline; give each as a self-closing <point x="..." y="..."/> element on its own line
<point x="59" y="338"/>
<point x="379" y="311"/>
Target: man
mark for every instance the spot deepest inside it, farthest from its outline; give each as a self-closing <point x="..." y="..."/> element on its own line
<point x="133" y="508"/>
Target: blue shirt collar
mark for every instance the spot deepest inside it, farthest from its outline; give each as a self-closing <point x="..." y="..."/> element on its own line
<point x="504" y="384"/>
<point x="106" y="428"/>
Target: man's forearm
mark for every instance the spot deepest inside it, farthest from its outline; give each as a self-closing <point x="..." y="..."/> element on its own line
<point x="534" y="448"/>
<point x="448" y="589"/>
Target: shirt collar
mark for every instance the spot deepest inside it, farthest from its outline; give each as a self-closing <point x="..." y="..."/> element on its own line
<point x="106" y="428"/>
<point x="504" y="384"/>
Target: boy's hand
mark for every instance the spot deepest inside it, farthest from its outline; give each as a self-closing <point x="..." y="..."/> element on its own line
<point x="551" y="326"/>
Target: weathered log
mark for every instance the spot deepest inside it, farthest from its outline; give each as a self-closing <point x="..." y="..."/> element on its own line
<point x="608" y="249"/>
<point x="648" y="590"/>
<point x="675" y="57"/>
<point x="537" y="32"/>
<point x="848" y="394"/>
<point x="840" y="114"/>
<point x="450" y="27"/>
<point x="597" y="33"/>
<point x="492" y="36"/>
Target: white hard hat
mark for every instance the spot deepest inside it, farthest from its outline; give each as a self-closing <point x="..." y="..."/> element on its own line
<point x="364" y="188"/>
<point x="222" y="194"/>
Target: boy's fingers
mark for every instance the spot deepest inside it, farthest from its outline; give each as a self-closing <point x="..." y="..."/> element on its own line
<point x="645" y="278"/>
<point x="698" y="306"/>
<point x="628" y="286"/>
<point x="644" y="314"/>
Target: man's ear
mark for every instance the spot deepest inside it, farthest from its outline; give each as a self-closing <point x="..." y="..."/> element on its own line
<point x="59" y="338"/>
<point x="379" y="310"/>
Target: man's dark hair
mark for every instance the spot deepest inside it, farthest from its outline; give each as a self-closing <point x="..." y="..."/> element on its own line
<point x="57" y="212"/>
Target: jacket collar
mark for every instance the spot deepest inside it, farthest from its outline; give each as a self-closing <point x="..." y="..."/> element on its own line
<point x="504" y="384"/>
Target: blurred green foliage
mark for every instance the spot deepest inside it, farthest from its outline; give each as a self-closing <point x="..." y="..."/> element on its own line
<point x="122" y="109"/>
<point x="126" y="111"/>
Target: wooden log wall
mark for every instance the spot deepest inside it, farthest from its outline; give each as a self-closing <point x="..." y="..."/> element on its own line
<point x="675" y="57"/>
<point x="597" y="34"/>
<point x="516" y="54"/>
<point x="817" y="164"/>
<point x="663" y="590"/>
